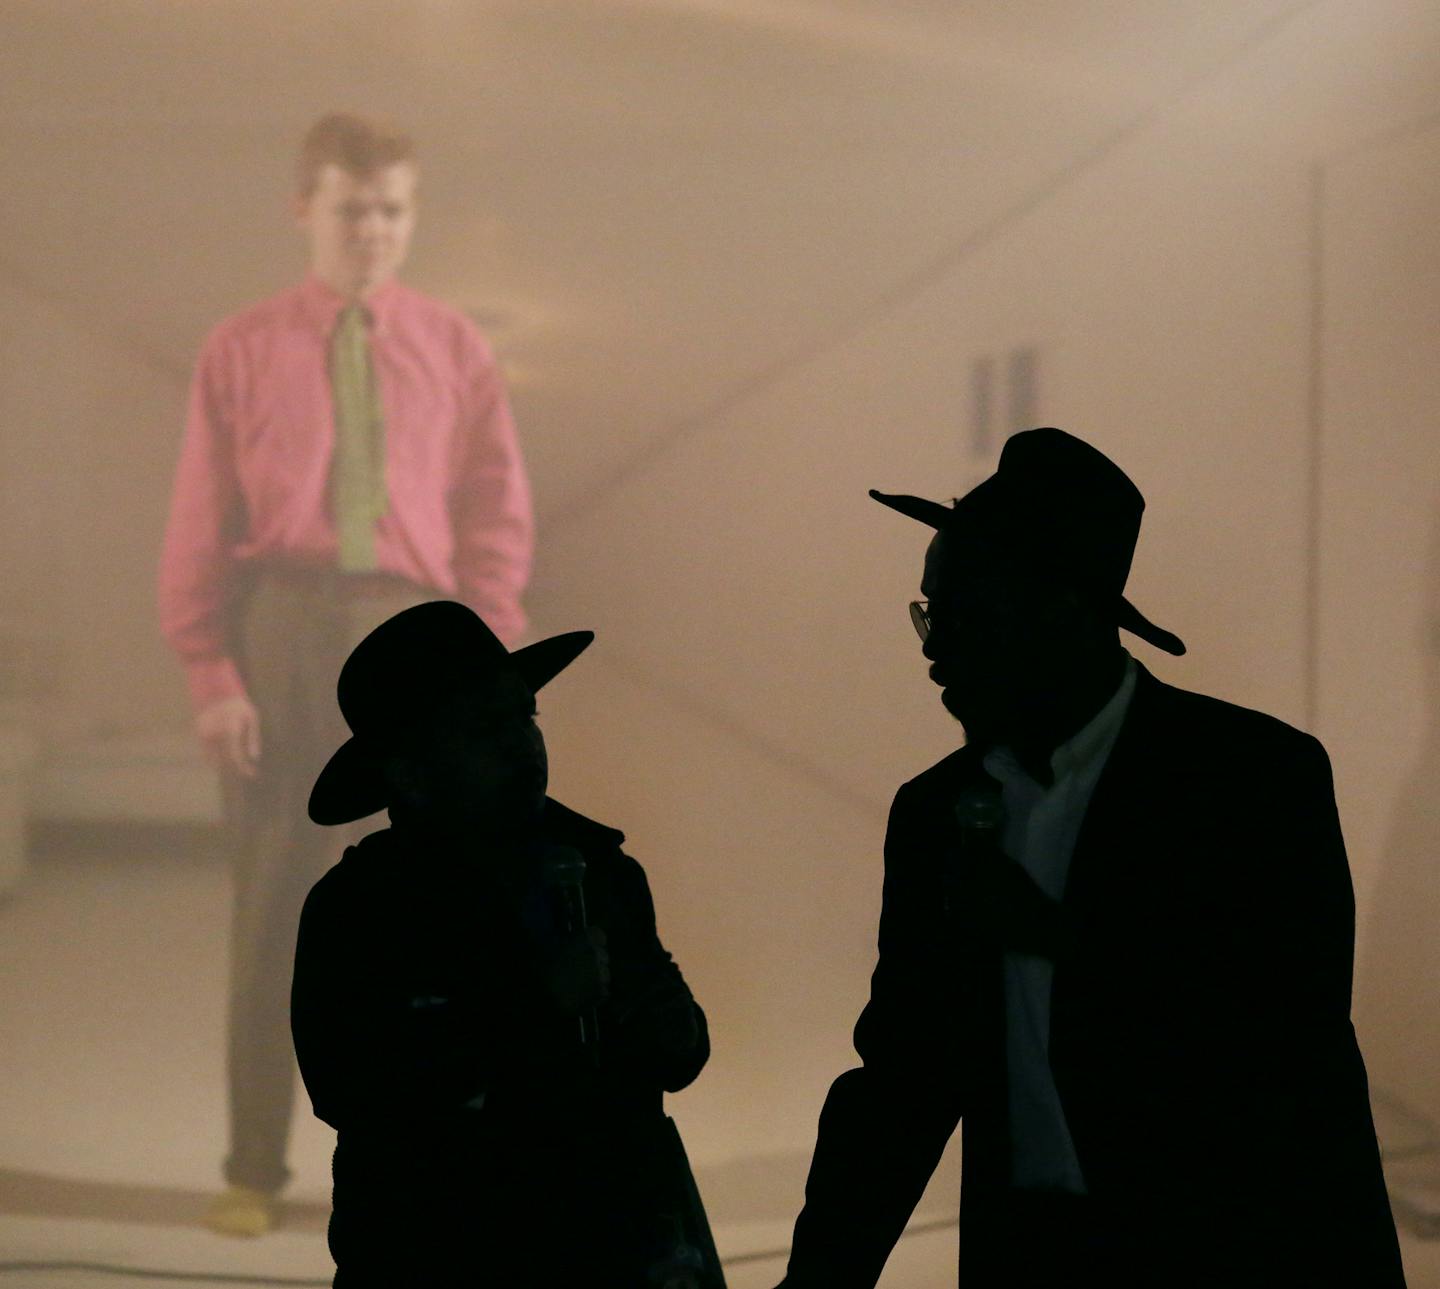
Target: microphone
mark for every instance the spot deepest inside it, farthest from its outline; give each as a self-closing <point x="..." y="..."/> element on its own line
<point x="980" y="814"/>
<point x="679" y="1265"/>
<point x="1020" y="915"/>
<point x="564" y="872"/>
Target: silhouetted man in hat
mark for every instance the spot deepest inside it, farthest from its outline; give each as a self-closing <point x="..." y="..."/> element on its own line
<point x="1116" y="942"/>
<point x="482" y="1008"/>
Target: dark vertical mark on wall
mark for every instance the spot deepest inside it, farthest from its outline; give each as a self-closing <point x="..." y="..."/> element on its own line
<point x="1022" y="378"/>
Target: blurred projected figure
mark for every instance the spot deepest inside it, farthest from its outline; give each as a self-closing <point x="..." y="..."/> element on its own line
<point x="349" y="452"/>
<point x="1116" y="941"/>
<point x="482" y="1007"/>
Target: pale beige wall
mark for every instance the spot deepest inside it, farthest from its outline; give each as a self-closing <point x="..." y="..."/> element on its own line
<point x="88" y="432"/>
<point x="751" y="594"/>
<point x="756" y="692"/>
<point x="1380" y="575"/>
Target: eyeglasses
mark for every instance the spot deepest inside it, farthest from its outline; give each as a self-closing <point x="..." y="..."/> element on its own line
<point x="999" y="623"/>
<point x="920" y="618"/>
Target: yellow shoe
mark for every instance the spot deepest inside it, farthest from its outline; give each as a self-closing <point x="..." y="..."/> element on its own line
<point x="242" y="1210"/>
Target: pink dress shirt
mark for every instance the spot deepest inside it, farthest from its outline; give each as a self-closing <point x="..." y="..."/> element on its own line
<point x="254" y="474"/>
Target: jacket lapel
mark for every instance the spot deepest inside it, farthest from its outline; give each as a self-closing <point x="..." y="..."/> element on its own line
<point x="1114" y="797"/>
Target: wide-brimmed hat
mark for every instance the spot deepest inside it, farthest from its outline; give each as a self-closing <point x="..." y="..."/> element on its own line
<point x="1059" y="506"/>
<point x="412" y="666"/>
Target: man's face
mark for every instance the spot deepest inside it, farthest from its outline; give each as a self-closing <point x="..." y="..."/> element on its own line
<point x="358" y="226"/>
<point x="999" y="640"/>
<point x="479" y="768"/>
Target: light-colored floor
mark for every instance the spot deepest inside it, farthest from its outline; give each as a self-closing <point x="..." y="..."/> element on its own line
<point x="112" y="1125"/>
<point x="112" y="972"/>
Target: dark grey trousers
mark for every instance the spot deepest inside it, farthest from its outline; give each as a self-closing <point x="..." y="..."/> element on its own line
<point x="293" y="633"/>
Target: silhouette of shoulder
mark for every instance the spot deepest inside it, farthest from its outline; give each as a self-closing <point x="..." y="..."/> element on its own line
<point x="570" y="828"/>
<point x="375" y="866"/>
<point x="944" y="774"/>
<point x="259" y="322"/>
<point x="601" y="846"/>
<point x="1186" y="729"/>
<point x="445" y="329"/>
<point x="1189" y="726"/>
<point x="366" y="868"/>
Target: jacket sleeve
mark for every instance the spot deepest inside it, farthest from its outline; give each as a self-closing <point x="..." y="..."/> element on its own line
<point x="1262" y="1033"/>
<point x="661" y="1031"/>
<point x="884" y="1125"/>
<point x="1309" y="905"/>
<point x="1283" y="969"/>
<point x="371" y="1052"/>
<point x="1262" y="971"/>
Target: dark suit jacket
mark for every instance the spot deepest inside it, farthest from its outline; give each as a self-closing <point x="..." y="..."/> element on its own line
<point x="416" y="991"/>
<point x="1200" y="1030"/>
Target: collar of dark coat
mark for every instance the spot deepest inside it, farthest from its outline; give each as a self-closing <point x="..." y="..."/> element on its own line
<point x="559" y="824"/>
<point x="570" y="827"/>
<point x="945" y="776"/>
<point x="1136" y="753"/>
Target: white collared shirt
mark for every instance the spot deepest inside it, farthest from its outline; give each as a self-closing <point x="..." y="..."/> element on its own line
<point x="1040" y="830"/>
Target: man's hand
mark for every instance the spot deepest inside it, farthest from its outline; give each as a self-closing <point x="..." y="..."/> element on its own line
<point x="229" y="732"/>
<point x="577" y="977"/>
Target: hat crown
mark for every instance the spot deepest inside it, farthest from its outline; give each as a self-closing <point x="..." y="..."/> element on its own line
<point x="1050" y="458"/>
<point x="420" y="658"/>
<point x="1057" y="505"/>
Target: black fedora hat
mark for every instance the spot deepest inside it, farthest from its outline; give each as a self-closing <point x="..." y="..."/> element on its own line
<point x="413" y="665"/>
<point x="1059" y="505"/>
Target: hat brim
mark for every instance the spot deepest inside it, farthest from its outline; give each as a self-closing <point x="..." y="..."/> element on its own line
<point x="932" y="513"/>
<point x="927" y="512"/>
<point x="352" y="786"/>
<point x="1129" y="618"/>
<point x="539" y="663"/>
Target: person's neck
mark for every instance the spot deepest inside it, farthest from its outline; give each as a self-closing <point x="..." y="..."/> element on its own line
<point x="461" y="842"/>
<point x="348" y="290"/>
<point x="1076" y="707"/>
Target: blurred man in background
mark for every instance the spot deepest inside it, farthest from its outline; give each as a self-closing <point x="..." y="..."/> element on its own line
<point x="1116" y="939"/>
<point x="349" y="452"/>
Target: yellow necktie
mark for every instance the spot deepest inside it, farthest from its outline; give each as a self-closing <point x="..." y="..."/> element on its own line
<point x="358" y="468"/>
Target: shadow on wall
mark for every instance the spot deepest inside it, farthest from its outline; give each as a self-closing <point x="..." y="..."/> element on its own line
<point x="1397" y="1004"/>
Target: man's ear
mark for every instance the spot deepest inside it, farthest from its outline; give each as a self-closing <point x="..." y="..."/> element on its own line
<point x="1094" y="616"/>
<point x="1077" y="611"/>
<point x="1078" y="605"/>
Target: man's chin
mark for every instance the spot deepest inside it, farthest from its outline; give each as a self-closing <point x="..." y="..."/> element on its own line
<point x="978" y="731"/>
<point x="369" y="278"/>
<point x="952" y="704"/>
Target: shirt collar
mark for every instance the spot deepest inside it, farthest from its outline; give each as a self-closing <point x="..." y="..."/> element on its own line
<point x="322" y="305"/>
<point x="1085" y="748"/>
